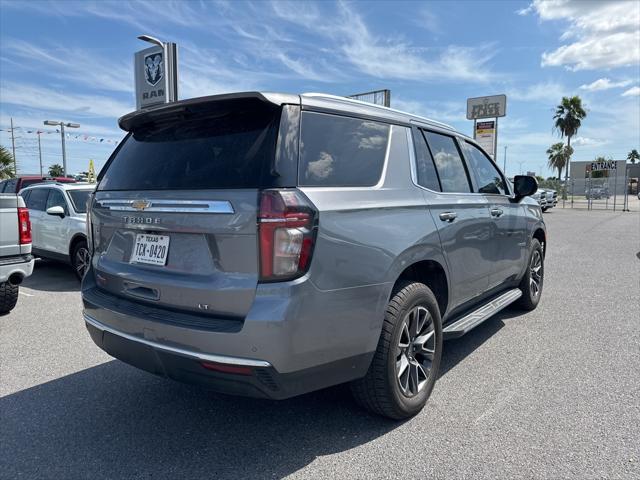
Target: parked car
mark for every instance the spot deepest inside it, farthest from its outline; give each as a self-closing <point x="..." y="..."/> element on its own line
<point x="59" y="222"/>
<point x="597" y="193"/>
<point x="550" y="198"/>
<point x="270" y="245"/>
<point x="14" y="185"/>
<point x="16" y="261"/>
<point x="540" y="196"/>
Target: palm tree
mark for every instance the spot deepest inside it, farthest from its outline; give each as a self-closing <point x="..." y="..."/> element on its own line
<point x="557" y="158"/>
<point x="633" y="156"/>
<point x="6" y="164"/>
<point x="56" y="170"/>
<point x="568" y="119"/>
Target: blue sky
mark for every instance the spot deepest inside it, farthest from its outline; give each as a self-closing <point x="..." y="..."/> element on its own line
<point x="72" y="61"/>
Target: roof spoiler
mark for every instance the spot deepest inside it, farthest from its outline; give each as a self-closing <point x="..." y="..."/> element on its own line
<point x="131" y="120"/>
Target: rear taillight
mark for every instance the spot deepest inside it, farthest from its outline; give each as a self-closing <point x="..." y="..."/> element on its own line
<point x="287" y="228"/>
<point x="24" y="226"/>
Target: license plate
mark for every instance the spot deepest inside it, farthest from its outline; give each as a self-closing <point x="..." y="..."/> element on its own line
<point x="150" y="249"/>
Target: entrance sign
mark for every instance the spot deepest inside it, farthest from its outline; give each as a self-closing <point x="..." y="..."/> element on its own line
<point x="156" y="75"/>
<point x="486" y="107"/>
<point x="606" y="165"/>
<point x="485" y="135"/>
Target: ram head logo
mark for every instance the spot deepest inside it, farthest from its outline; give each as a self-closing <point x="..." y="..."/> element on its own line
<point x="153" y="68"/>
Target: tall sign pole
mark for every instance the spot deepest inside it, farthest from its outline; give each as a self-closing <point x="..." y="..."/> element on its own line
<point x="486" y="132"/>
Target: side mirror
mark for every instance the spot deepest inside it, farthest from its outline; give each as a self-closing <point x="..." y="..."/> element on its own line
<point x="524" y="185"/>
<point x="58" y="211"/>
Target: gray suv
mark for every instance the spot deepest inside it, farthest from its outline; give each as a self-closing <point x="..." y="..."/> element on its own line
<point x="269" y="245"/>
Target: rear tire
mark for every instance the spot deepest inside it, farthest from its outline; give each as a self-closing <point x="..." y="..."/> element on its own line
<point x="8" y="297"/>
<point x="533" y="280"/>
<point x="405" y="366"/>
<point x="80" y="259"/>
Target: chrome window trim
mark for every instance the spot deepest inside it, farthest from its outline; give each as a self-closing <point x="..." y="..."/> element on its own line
<point x="169" y="206"/>
<point x="414" y="173"/>
<point x="206" y="357"/>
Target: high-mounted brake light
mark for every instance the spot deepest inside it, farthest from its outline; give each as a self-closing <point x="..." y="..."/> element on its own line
<point x="24" y="226"/>
<point x="286" y="225"/>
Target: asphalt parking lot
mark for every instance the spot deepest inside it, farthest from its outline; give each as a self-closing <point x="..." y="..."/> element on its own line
<point x="554" y="393"/>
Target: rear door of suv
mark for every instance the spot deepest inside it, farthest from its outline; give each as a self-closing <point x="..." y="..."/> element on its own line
<point x="462" y="218"/>
<point x="174" y="216"/>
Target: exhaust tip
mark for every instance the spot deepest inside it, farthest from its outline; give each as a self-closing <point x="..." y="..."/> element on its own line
<point x="16" y="278"/>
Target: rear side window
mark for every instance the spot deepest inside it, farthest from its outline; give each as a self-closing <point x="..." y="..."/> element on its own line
<point x="10" y="186"/>
<point x="229" y="148"/>
<point x="453" y="176"/>
<point x="488" y="177"/>
<point x="37" y="200"/>
<point x="340" y="151"/>
<point x="426" y="170"/>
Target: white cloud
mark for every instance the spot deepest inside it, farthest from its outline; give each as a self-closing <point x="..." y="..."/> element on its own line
<point x="603" y="34"/>
<point x="80" y="66"/>
<point x="587" y="142"/>
<point x="47" y="99"/>
<point x="604" y="84"/>
<point x="632" y="92"/>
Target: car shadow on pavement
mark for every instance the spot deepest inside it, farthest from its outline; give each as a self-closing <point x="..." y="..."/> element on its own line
<point x="52" y="276"/>
<point x="114" y="421"/>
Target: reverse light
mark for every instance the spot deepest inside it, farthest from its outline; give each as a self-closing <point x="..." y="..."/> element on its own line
<point x="24" y="226"/>
<point x="287" y="228"/>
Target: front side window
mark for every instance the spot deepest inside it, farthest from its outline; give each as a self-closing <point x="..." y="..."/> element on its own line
<point x="37" y="200"/>
<point x="453" y="176"/>
<point x="79" y="199"/>
<point x="340" y="151"/>
<point x="488" y="178"/>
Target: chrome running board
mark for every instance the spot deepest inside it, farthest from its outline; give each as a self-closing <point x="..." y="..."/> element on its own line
<point x="475" y="318"/>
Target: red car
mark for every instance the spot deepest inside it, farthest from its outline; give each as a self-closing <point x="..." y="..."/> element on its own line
<point x="14" y="185"/>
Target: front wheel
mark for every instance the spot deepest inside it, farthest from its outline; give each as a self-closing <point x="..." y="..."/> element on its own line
<point x="8" y="297"/>
<point x="533" y="279"/>
<point x="406" y="363"/>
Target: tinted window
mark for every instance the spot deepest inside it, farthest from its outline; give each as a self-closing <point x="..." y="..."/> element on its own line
<point x="426" y="170"/>
<point x="56" y="199"/>
<point x="32" y="181"/>
<point x="341" y="151"/>
<point x="38" y="199"/>
<point x="487" y="175"/>
<point x="232" y="149"/>
<point x="2" y="185"/>
<point x="451" y="171"/>
<point x="10" y="187"/>
<point x="25" y="195"/>
<point x="79" y="199"/>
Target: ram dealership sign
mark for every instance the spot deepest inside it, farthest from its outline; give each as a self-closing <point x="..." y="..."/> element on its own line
<point x="156" y="75"/>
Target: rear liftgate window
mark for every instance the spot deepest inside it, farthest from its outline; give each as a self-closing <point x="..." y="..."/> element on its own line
<point x="340" y="151"/>
<point x="230" y="147"/>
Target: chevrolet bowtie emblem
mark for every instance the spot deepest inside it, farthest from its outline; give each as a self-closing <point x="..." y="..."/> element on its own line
<point x="140" y="204"/>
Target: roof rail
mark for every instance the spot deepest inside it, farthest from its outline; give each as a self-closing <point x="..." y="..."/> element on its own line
<point x="353" y="101"/>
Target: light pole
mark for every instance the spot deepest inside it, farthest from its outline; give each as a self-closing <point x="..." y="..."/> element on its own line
<point x="64" y="150"/>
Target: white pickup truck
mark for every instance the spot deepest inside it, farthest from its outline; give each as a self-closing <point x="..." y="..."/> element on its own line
<point x="16" y="261"/>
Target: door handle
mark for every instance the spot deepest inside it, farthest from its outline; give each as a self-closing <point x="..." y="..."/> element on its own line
<point x="496" y="212"/>
<point x="448" y="216"/>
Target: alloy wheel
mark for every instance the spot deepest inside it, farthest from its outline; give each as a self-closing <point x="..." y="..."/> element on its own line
<point x="82" y="261"/>
<point x="535" y="273"/>
<point x="415" y="351"/>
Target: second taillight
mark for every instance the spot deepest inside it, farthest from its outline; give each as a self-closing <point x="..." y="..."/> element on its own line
<point x="24" y="226"/>
<point x="287" y="228"/>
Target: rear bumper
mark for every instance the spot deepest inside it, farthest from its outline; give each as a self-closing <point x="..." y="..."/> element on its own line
<point x="248" y="377"/>
<point x="21" y="264"/>
<point x="295" y="338"/>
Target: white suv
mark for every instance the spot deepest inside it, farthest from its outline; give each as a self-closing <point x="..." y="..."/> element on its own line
<point x="59" y="222"/>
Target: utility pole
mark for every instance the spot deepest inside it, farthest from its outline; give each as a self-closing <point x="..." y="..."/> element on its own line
<point x="504" y="165"/>
<point x="13" y="148"/>
<point x="40" y="152"/>
<point x="64" y="151"/>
